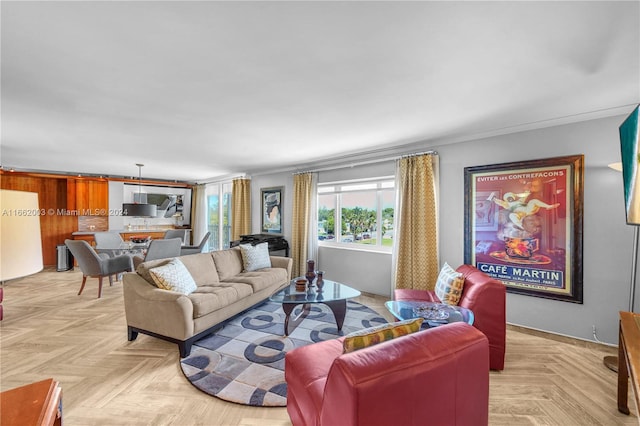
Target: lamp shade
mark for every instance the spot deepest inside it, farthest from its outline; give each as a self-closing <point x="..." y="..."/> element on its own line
<point x="630" y="151"/>
<point x="20" y="240"/>
<point x="139" y="210"/>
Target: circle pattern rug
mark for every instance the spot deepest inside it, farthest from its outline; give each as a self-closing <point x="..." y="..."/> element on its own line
<point x="243" y="362"/>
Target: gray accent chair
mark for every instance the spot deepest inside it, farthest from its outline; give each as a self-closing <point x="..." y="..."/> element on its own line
<point x="96" y="265"/>
<point x="196" y="249"/>
<point x="160" y="249"/>
<point x="176" y="233"/>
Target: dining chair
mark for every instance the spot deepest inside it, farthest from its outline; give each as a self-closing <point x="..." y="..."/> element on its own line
<point x="96" y="265"/>
<point x="176" y="233"/>
<point x="160" y="249"/>
<point x="196" y="249"/>
<point x="108" y="240"/>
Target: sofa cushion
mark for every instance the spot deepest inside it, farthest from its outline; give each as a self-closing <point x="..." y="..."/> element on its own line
<point x="173" y="276"/>
<point x="449" y="285"/>
<point x="381" y="333"/>
<point x="255" y="257"/>
<point x="261" y="279"/>
<point x="210" y="298"/>
<point x="228" y="262"/>
<point x="201" y="267"/>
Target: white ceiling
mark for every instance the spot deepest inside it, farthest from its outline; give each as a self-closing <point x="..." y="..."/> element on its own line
<point x="199" y="90"/>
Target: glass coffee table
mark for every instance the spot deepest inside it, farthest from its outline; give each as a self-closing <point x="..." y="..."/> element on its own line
<point x="332" y="294"/>
<point x="434" y="314"/>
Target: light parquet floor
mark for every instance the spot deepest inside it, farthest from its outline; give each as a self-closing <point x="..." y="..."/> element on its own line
<point x="50" y="331"/>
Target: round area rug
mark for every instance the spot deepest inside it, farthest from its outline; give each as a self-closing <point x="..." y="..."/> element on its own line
<point x="244" y="361"/>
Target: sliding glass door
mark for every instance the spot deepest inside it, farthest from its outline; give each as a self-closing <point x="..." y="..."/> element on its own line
<point x="219" y="215"/>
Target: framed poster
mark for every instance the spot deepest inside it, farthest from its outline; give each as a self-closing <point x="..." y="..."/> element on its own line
<point x="523" y="225"/>
<point x="271" y="199"/>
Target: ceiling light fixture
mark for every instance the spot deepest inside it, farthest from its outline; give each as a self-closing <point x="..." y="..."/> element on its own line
<point x="139" y="209"/>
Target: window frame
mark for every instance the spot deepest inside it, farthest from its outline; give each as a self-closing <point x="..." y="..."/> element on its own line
<point x="338" y="188"/>
<point x="218" y="188"/>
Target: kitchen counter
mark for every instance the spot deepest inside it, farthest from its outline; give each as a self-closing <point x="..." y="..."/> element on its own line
<point x="154" y="233"/>
<point x="127" y="231"/>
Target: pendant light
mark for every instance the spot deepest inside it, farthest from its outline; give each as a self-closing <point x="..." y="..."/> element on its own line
<point x="139" y="209"/>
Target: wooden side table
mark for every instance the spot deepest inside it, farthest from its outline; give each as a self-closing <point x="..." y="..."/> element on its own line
<point x="38" y="404"/>
<point x="628" y="359"/>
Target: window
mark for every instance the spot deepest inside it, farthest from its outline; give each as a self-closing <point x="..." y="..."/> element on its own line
<point x="357" y="214"/>
<point x="219" y="215"/>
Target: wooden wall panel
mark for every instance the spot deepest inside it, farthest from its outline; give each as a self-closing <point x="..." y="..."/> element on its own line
<point x="90" y="196"/>
<point x="71" y="194"/>
<point x="64" y="198"/>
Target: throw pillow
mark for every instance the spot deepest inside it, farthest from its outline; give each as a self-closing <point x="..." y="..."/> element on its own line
<point x="255" y="257"/>
<point x="449" y="285"/>
<point x="378" y="334"/>
<point x="173" y="276"/>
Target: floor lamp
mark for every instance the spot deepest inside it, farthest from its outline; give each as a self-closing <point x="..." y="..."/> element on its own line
<point x="612" y="361"/>
<point x="630" y="168"/>
<point x="20" y="242"/>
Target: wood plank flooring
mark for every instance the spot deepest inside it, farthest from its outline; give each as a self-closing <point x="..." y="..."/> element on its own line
<point x="81" y="341"/>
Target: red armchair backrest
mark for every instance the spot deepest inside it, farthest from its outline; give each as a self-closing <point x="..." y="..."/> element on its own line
<point x="436" y="376"/>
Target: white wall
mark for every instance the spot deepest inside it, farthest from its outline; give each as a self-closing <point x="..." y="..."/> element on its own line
<point x="607" y="240"/>
<point x="116" y="199"/>
<point x="269" y="181"/>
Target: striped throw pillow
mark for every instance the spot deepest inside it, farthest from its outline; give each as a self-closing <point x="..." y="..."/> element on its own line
<point x="449" y="285"/>
<point x="378" y="334"/>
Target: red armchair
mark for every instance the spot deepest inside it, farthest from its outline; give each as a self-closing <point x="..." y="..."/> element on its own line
<point x="486" y="297"/>
<point x="436" y="376"/>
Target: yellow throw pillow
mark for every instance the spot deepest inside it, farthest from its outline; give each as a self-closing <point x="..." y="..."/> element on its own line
<point x="378" y="334"/>
<point x="449" y="285"/>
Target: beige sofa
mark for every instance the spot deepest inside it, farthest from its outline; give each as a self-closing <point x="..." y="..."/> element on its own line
<point x="223" y="291"/>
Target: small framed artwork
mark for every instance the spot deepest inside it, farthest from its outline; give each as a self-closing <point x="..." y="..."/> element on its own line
<point x="271" y="199"/>
<point x="523" y="225"/>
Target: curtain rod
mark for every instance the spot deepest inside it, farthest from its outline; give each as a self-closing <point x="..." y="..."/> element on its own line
<point x="364" y="163"/>
<point x="417" y="154"/>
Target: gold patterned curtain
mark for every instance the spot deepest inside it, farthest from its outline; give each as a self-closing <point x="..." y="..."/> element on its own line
<point x="303" y="222"/>
<point x="240" y="208"/>
<point x="416" y="228"/>
<point x="199" y="214"/>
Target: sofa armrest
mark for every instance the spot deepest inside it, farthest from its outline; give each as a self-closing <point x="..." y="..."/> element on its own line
<point x="282" y="262"/>
<point x="149" y="308"/>
<point x="441" y="374"/>
<point x="486" y="297"/>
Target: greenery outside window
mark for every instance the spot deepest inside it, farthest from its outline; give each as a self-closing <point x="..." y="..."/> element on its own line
<point x="219" y="215"/>
<point x="357" y="214"/>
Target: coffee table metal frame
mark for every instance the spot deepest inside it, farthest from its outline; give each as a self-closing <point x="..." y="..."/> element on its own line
<point x="332" y="294"/>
